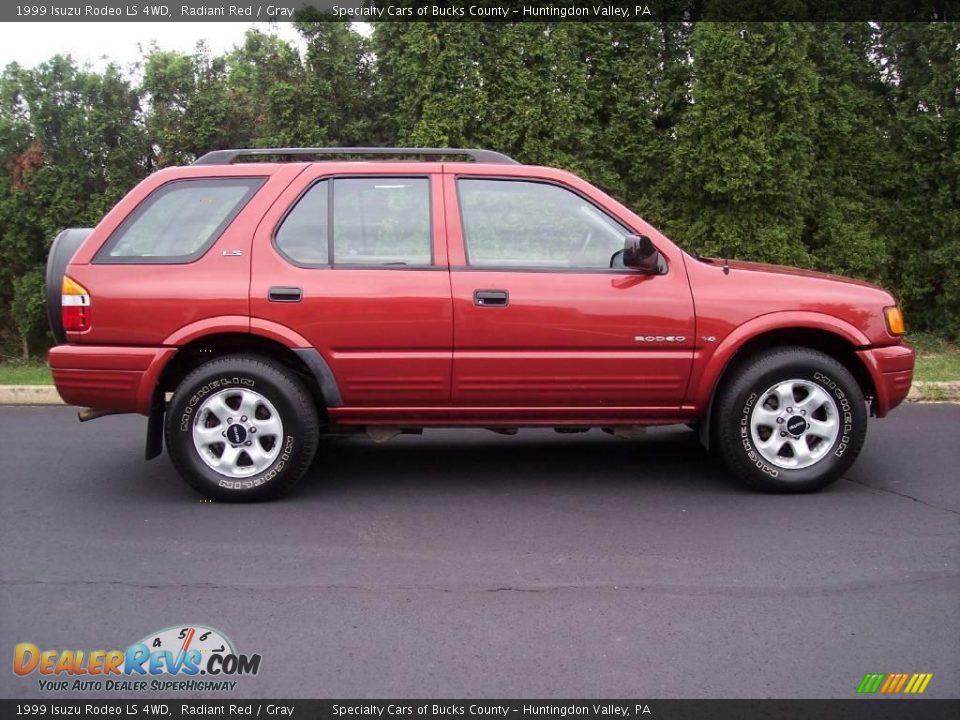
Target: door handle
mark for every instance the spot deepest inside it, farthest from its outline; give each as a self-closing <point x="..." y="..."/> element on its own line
<point x="285" y="294"/>
<point x="491" y="298"/>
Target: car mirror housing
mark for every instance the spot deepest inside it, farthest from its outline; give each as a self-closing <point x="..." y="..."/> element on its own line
<point x="640" y="254"/>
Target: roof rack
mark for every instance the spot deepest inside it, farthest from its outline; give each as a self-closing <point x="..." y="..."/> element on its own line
<point x="227" y="157"/>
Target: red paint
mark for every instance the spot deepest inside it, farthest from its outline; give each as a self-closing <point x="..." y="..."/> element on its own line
<point x="117" y="378"/>
<point x="891" y="369"/>
<point x="386" y="333"/>
<point x="409" y="346"/>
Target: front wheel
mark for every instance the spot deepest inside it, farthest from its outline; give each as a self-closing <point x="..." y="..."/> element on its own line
<point x="790" y="420"/>
<point x="241" y="429"/>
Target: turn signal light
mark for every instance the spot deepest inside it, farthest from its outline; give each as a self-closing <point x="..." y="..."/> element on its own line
<point x="894" y="318"/>
<point x="75" y="305"/>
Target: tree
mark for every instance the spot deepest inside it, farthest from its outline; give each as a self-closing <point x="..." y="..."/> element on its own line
<point x="337" y="98"/>
<point x="638" y="90"/>
<point x="71" y="145"/>
<point x="27" y="308"/>
<point x="744" y="158"/>
<point x="851" y="150"/>
<point x="517" y="87"/>
<point x="192" y="108"/>
<point x="921" y="182"/>
<point x="834" y="146"/>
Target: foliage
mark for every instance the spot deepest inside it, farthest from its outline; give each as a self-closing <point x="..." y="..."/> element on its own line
<point x="27" y="307"/>
<point x="71" y="145"/>
<point x="920" y="205"/>
<point x="833" y="146"/>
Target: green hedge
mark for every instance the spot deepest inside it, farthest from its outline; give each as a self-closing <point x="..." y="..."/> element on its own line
<point x="830" y="146"/>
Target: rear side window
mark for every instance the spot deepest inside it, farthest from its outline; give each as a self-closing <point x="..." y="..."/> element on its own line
<point x="179" y="221"/>
<point x="381" y="221"/>
<point x="303" y="237"/>
<point x="376" y="221"/>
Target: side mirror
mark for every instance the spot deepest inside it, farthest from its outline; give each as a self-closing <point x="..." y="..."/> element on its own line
<point x="640" y="254"/>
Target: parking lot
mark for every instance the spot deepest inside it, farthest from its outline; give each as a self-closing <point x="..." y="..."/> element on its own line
<point x="464" y="563"/>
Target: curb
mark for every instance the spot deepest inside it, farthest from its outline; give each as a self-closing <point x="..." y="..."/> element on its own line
<point x="935" y="391"/>
<point x="48" y="395"/>
<point x="29" y="395"/>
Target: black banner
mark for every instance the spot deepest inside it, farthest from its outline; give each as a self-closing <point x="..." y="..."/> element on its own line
<point x="880" y="709"/>
<point x="479" y="10"/>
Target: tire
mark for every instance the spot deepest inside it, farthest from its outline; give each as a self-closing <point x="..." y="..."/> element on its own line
<point x="790" y="420"/>
<point x="270" y="416"/>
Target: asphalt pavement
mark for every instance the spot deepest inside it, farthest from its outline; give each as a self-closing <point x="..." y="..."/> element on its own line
<point x="467" y="564"/>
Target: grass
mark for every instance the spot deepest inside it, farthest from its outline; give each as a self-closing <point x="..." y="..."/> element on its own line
<point x="18" y="372"/>
<point x="937" y="361"/>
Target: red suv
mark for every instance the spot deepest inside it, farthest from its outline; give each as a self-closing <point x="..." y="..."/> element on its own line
<point x="247" y="307"/>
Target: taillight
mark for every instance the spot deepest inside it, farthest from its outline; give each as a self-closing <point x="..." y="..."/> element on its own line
<point x="75" y="305"/>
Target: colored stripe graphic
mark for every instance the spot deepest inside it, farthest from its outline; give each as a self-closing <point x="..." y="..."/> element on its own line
<point x="890" y="682"/>
<point x="907" y="683"/>
<point x="918" y="683"/>
<point x="894" y="683"/>
<point x="870" y="683"/>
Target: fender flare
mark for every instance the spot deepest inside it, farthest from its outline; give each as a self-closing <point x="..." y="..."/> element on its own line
<point x="281" y="334"/>
<point x="703" y="395"/>
<point x="208" y="326"/>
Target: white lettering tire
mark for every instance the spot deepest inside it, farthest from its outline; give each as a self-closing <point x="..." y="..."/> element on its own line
<point x="241" y="429"/>
<point x="789" y="420"/>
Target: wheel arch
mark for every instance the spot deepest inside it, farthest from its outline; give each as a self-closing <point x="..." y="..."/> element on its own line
<point x="305" y="362"/>
<point x="834" y="340"/>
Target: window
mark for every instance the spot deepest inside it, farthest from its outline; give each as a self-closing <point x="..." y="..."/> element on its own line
<point x="179" y="221"/>
<point x="381" y="221"/>
<point x="303" y="235"/>
<point x="376" y="221"/>
<point x="514" y="223"/>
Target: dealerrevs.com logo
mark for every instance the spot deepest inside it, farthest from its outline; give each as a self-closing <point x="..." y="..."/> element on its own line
<point x="189" y="658"/>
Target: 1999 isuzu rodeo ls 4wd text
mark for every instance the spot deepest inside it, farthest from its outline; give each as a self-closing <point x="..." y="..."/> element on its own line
<point x="248" y="307"/>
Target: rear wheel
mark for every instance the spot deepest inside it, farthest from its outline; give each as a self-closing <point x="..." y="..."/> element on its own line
<point x="241" y="429"/>
<point x="790" y="420"/>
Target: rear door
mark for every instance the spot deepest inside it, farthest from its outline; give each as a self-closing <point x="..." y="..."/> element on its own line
<point x="540" y="316"/>
<point x="356" y="263"/>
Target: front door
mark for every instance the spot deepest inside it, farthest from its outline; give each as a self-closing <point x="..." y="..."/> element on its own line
<point x="541" y="318"/>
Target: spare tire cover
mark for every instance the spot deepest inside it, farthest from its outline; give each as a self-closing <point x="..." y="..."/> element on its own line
<point x="61" y="252"/>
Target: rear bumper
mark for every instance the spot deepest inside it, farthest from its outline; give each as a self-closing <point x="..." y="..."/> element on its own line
<point x="891" y="369"/>
<point x="108" y="378"/>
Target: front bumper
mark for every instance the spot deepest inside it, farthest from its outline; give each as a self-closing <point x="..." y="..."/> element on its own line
<point x="891" y="369"/>
<point x="108" y="378"/>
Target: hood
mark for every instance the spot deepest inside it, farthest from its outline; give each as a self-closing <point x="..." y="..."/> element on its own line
<point x="787" y="270"/>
